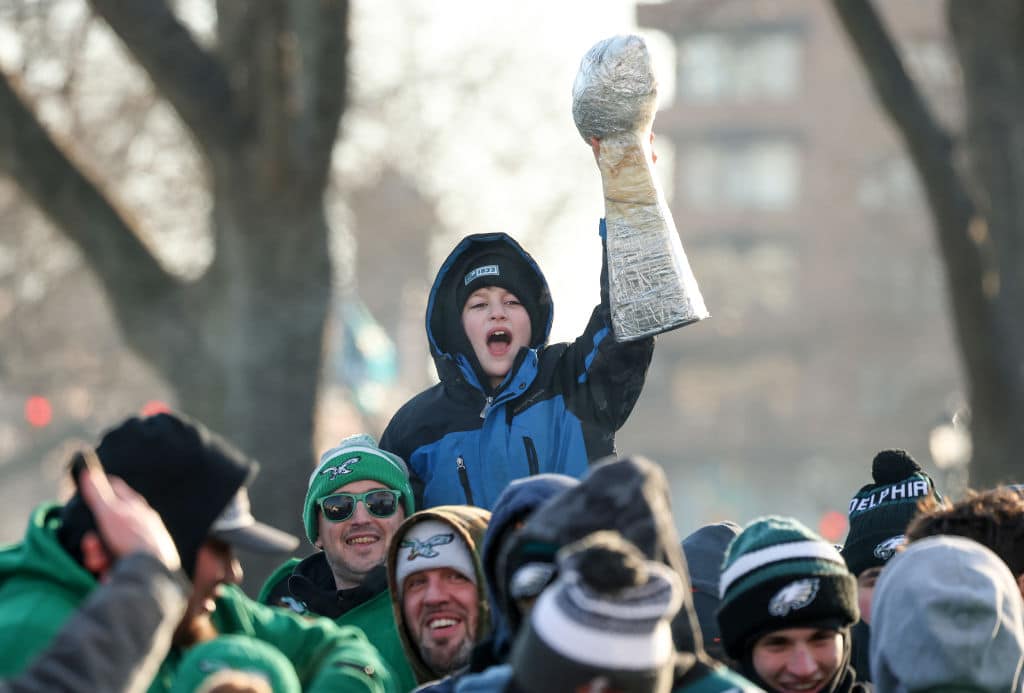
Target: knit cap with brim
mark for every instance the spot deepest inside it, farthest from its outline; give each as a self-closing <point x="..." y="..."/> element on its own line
<point x="607" y="616"/>
<point x="356" y="458"/>
<point x="235" y="653"/>
<point x="779" y="574"/>
<point x="880" y="512"/>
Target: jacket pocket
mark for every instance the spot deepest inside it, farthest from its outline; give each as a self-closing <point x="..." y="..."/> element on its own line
<point x="532" y="461"/>
<point x="460" y="465"/>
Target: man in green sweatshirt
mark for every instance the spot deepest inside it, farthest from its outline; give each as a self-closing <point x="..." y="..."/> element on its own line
<point x="197" y="483"/>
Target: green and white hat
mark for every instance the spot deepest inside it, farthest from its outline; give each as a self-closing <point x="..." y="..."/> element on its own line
<point x="779" y="574"/>
<point x="354" y="459"/>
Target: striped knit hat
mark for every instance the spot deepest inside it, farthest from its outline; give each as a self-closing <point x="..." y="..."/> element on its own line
<point x="607" y="617"/>
<point x="779" y="574"/>
<point x="881" y="511"/>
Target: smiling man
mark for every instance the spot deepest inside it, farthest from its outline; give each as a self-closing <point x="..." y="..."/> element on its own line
<point x="358" y="495"/>
<point x="197" y="483"/>
<point x="788" y="601"/>
<point x="437" y="588"/>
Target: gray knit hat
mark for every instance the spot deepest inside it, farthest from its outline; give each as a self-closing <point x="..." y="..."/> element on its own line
<point x="607" y="616"/>
<point x="947" y="615"/>
<point x="356" y="458"/>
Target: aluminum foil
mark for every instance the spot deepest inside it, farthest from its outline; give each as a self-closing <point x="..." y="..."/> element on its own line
<point x="651" y="286"/>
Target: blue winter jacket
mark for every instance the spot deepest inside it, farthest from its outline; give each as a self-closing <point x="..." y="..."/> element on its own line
<point x="556" y="411"/>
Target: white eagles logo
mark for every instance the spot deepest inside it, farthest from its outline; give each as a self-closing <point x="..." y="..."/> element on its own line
<point x="342" y="468"/>
<point x="885" y="550"/>
<point x="795" y="595"/>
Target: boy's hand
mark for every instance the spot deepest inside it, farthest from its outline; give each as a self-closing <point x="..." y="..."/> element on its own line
<point x="125" y="520"/>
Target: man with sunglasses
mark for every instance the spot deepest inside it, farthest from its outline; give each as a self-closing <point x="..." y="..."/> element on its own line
<point x="357" y="497"/>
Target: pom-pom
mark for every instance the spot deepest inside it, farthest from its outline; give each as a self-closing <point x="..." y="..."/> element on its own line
<point x="608" y="564"/>
<point x="890" y="466"/>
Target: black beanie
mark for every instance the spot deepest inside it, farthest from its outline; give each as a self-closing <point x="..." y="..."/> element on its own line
<point x="185" y="472"/>
<point x="880" y="512"/>
<point x="478" y="260"/>
<point x="508" y="271"/>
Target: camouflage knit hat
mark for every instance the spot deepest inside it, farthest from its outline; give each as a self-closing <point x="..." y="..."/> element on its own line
<point x="880" y="512"/>
<point x="779" y="574"/>
<point x="356" y="458"/>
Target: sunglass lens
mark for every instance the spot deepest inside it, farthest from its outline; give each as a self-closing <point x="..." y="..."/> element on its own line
<point x="338" y="508"/>
<point x="382" y="503"/>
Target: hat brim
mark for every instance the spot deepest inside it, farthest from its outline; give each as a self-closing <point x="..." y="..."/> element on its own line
<point x="258" y="538"/>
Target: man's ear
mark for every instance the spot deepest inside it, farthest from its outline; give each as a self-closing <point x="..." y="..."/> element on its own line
<point x="1020" y="584"/>
<point x="95" y="557"/>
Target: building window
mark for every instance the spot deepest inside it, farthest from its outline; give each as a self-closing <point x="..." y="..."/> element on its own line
<point x="744" y="276"/>
<point x="740" y="66"/>
<point x="745" y="172"/>
<point x="889" y="184"/>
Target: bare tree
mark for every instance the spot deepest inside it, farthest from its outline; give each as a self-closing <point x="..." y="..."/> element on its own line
<point x="240" y="345"/>
<point x="978" y="209"/>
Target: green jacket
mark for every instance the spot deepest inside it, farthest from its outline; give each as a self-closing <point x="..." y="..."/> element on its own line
<point x="367" y="608"/>
<point x="41" y="586"/>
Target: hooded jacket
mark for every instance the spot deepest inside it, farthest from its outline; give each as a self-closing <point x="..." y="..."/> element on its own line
<point x="470" y="524"/>
<point x="41" y="587"/>
<point x="947" y="615"/>
<point x="628" y="496"/>
<point x="556" y="411"/>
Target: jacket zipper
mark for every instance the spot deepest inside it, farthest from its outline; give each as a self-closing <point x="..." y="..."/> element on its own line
<point x="464" y="479"/>
<point x="531" y="455"/>
<point x="487" y="406"/>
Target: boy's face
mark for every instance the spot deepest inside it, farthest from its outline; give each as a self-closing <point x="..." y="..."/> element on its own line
<point x="497" y="326"/>
<point x="798" y="659"/>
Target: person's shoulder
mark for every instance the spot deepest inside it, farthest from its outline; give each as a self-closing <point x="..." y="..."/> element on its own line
<point x="719" y="679"/>
<point x="275" y="587"/>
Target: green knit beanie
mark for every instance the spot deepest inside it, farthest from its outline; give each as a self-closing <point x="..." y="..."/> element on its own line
<point x="239" y="653"/>
<point x="779" y="574"/>
<point x="356" y="458"/>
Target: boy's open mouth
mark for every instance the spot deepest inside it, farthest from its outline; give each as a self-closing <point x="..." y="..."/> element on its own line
<point x="499" y="336"/>
<point x="499" y="341"/>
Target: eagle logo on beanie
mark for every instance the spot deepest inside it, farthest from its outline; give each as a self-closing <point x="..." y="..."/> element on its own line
<point x="426" y="548"/>
<point x="341" y="469"/>
<point x="886" y="549"/>
<point x="795" y="595"/>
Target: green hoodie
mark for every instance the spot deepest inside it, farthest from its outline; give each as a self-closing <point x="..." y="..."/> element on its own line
<point x="41" y="586"/>
<point x="471" y="523"/>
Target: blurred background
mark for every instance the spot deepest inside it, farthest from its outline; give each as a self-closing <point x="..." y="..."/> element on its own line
<point x="236" y="209"/>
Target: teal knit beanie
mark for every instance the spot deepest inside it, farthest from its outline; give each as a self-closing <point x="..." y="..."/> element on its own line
<point x="779" y="574"/>
<point x="356" y="458"/>
<point x="239" y="653"/>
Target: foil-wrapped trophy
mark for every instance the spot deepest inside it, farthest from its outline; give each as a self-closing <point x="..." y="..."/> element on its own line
<point x="651" y="286"/>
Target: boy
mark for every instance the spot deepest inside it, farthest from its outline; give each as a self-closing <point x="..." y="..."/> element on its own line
<point x="509" y="404"/>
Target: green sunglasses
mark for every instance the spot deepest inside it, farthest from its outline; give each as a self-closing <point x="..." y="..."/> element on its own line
<point x="380" y="502"/>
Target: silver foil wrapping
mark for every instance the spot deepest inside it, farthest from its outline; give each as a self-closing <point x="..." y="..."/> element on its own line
<point x="652" y="288"/>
